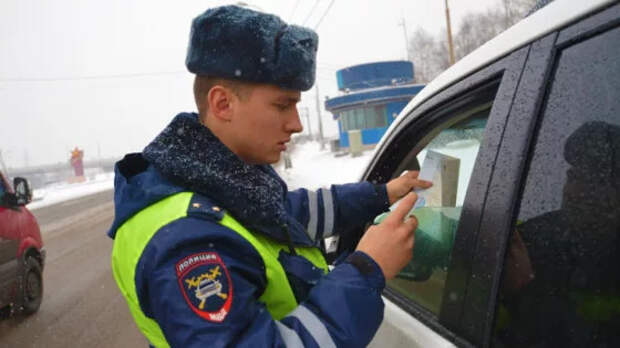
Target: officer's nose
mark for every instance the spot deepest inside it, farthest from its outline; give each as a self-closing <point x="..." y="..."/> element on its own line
<point x="294" y="123"/>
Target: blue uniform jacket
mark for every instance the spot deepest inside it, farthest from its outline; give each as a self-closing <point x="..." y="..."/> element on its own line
<point x="343" y="308"/>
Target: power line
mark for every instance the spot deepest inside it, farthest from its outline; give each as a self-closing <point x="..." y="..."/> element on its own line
<point x="311" y="11"/>
<point x="290" y="17"/>
<point x="94" y="77"/>
<point x="324" y="14"/>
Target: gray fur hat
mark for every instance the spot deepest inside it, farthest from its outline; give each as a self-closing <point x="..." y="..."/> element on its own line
<point x="242" y="44"/>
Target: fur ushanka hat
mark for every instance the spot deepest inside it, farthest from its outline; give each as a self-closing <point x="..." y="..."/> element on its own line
<point x="242" y="44"/>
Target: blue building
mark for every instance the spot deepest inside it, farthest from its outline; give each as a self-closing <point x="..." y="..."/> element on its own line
<point x="372" y="96"/>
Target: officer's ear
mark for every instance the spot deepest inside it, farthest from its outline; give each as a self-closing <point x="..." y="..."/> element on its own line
<point x="220" y="103"/>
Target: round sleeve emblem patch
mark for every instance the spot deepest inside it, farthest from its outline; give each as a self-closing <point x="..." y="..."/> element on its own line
<point x="206" y="286"/>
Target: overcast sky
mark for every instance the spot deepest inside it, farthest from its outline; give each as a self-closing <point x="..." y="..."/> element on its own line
<point x="107" y="76"/>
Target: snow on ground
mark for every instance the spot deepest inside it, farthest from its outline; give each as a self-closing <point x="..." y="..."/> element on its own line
<point x="314" y="168"/>
<point x="60" y="192"/>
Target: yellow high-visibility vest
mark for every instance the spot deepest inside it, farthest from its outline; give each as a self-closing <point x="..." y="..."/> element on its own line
<point x="134" y="235"/>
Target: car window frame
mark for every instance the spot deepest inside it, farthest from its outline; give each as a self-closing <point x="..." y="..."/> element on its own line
<point x="422" y="120"/>
<point x="502" y="204"/>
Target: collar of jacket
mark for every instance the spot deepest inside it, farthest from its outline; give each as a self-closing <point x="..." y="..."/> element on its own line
<point x="190" y="155"/>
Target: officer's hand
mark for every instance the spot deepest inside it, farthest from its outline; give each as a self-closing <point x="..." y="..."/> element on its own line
<point x="399" y="187"/>
<point x="390" y="243"/>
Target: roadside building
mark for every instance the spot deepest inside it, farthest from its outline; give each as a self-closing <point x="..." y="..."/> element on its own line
<point x="372" y="95"/>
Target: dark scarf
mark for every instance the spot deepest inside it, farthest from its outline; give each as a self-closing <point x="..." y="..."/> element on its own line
<point x="188" y="154"/>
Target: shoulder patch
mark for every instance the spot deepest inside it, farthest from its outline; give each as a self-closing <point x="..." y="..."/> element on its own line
<point x="206" y="286"/>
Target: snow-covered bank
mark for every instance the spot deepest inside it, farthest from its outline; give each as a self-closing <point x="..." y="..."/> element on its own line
<point x="314" y="168"/>
<point x="61" y="192"/>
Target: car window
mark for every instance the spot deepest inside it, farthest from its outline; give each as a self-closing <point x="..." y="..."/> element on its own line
<point x="561" y="285"/>
<point x="453" y="146"/>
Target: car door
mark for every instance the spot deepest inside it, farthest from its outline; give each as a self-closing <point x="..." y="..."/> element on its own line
<point x="462" y="124"/>
<point x="9" y="244"/>
<point x="555" y="281"/>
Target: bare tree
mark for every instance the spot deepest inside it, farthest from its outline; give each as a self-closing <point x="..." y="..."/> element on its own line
<point x="430" y="54"/>
<point x="476" y="29"/>
<point x="515" y="10"/>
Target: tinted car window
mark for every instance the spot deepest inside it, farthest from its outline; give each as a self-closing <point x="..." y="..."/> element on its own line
<point x="456" y="143"/>
<point x="561" y="285"/>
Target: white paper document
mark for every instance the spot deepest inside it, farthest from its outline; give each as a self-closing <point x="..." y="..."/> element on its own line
<point x="431" y="170"/>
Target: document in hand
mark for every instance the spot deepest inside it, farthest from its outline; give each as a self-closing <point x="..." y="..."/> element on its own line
<point x="437" y="217"/>
<point x="443" y="171"/>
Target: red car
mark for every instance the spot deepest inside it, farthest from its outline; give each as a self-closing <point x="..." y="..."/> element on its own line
<point x="21" y="249"/>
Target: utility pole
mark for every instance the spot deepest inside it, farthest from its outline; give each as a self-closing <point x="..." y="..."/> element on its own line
<point x="99" y="155"/>
<point x="450" y="45"/>
<point x="26" y="159"/>
<point x="318" y="100"/>
<point x="318" y="113"/>
<point x="306" y="113"/>
<point x="404" y="25"/>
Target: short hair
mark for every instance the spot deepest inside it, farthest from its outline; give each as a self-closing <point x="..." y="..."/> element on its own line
<point x="203" y="84"/>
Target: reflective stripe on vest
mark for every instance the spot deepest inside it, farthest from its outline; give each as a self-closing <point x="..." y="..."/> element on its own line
<point x="134" y="235"/>
<point x="278" y="295"/>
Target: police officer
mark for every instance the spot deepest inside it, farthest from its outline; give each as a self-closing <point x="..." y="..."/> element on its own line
<point x="210" y="248"/>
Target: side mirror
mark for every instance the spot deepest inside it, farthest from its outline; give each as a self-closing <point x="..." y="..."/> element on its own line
<point x="23" y="193"/>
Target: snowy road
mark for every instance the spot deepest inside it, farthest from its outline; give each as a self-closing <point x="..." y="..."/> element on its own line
<point x="81" y="305"/>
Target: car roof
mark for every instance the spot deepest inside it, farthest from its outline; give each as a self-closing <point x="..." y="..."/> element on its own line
<point x="548" y="19"/>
